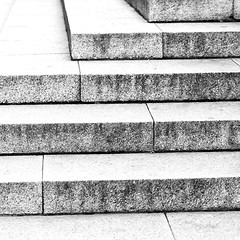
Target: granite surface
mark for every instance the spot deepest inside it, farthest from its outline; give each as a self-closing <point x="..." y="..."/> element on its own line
<point x="159" y="80"/>
<point x="184" y="10"/>
<point x="141" y="182"/>
<point x="21" y="185"/>
<point x="200" y="40"/>
<point x="236" y="11"/>
<point x="91" y="227"/>
<point x="75" y="128"/>
<point x="205" y="226"/>
<point x="196" y="126"/>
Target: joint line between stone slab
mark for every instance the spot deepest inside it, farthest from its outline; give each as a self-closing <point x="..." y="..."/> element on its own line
<point x="153" y="149"/>
<point x="42" y="186"/>
<point x="235" y="62"/>
<point x="170" y="226"/>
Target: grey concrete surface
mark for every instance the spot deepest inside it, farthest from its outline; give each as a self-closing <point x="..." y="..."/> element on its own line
<point x="115" y="37"/>
<point x="39" y="79"/>
<point x="159" y="80"/>
<point x="200" y="40"/>
<point x="75" y="128"/>
<point x="20" y="185"/>
<point x="236" y="13"/>
<point x="92" y="227"/>
<point x="205" y="226"/>
<point x="196" y="126"/>
<point x="141" y="182"/>
<point x="184" y="10"/>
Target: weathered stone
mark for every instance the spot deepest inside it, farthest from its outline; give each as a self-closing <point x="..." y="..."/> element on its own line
<point x="127" y="37"/>
<point x="21" y="185"/>
<point x="183" y="10"/>
<point x="196" y="126"/>
<point x="200" y="40"/>
<point x="92" y="227"/>
<point x="38" y="79"/>
<point x="75" y="128"/>
<point x="141" y="182"/>
<point x="159" y="80"/>
<point x="236" y="11"/>
<point x="205" y="226"/>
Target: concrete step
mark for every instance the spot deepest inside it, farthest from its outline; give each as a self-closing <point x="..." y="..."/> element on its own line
<point x="196" y="126"/>
<point x="56" y="79"/>
<point x="128" y="36"/>
<point x="26" y="129"/>
<point x="91" y="227"/>
<point x="200" y="40"/>
<point x="160" y="80"/>
<point x="75" y="128"/>
<point x="175" y="10"/>
<point x="141" y="182"/>
<point x="107" y="35"/>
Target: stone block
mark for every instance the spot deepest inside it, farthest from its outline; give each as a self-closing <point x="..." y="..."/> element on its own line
<point x="196" y="126"/>
<point x="183" y="10"/>
<point x="159" y="80"/>
<point x="236" y="11"/>
<point x="20" y="185"/>
<point x="200" y="40"/>
<point x="141" y="182"/>
<point x="75" y="128"/>
<point x="38" y="79"/>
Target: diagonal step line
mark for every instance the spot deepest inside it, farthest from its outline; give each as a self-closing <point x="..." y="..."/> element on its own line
<point x="170" y="226"/>
<point x="153" y="128"/>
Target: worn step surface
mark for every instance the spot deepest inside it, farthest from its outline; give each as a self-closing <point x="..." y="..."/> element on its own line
<point x="141" y="182"/>
<point x="160" y="80"/>
<point x="131" y="37"/>
<point x="20" y="185"/>
<point x="183" y="10"/>
<point x="196" y="126"/>
<point x="107" y="34"/>
<point x="75" y="128"/>
<point x="92" y="227"/>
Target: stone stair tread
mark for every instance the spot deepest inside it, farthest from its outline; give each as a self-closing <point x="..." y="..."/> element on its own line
<point x="143" y="166"/>
<point x="141" y="183"/>
<point x="92" y="227"/>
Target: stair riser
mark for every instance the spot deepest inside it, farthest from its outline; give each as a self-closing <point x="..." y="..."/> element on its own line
<point x="160" y="87"/>
<point x="141" y="195"/>
<point x="74" y="138"/>
<point x="194" y="136"/>
<point x="184" y="10"/>
<point x="236" y="9"/>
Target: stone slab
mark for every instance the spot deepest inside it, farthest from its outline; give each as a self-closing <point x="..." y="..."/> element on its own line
<point x="141" y="182"/>
<point x="205" y="226"/>
<point x="236" y="11"/>
<point x="39" y="79"/>
<point x="20" y="185"/>
<point x="75" y="128"/>
<point x="183" y="10"/>
<point x="92" y="227"/>
<point x="122" y="37"/>
<point x="201" y="40"/>
<point x="196" y="126"/>
<point x="159" y="80"/>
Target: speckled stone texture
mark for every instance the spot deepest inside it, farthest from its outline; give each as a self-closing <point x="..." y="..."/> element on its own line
<point x="196" y="126"/>
<point x="75" y="128"/>
<point x="122" y="35"/>
<point x="122" y="183"/>
<point x="159" y="80"/>
<point x="200" y="40"/>
<point x="39" y="79"/>
<point x="183" y="10"/>
<point x="86" y="227"/>
<point x="236" y="14"/>
<point x="20" y="185"/>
